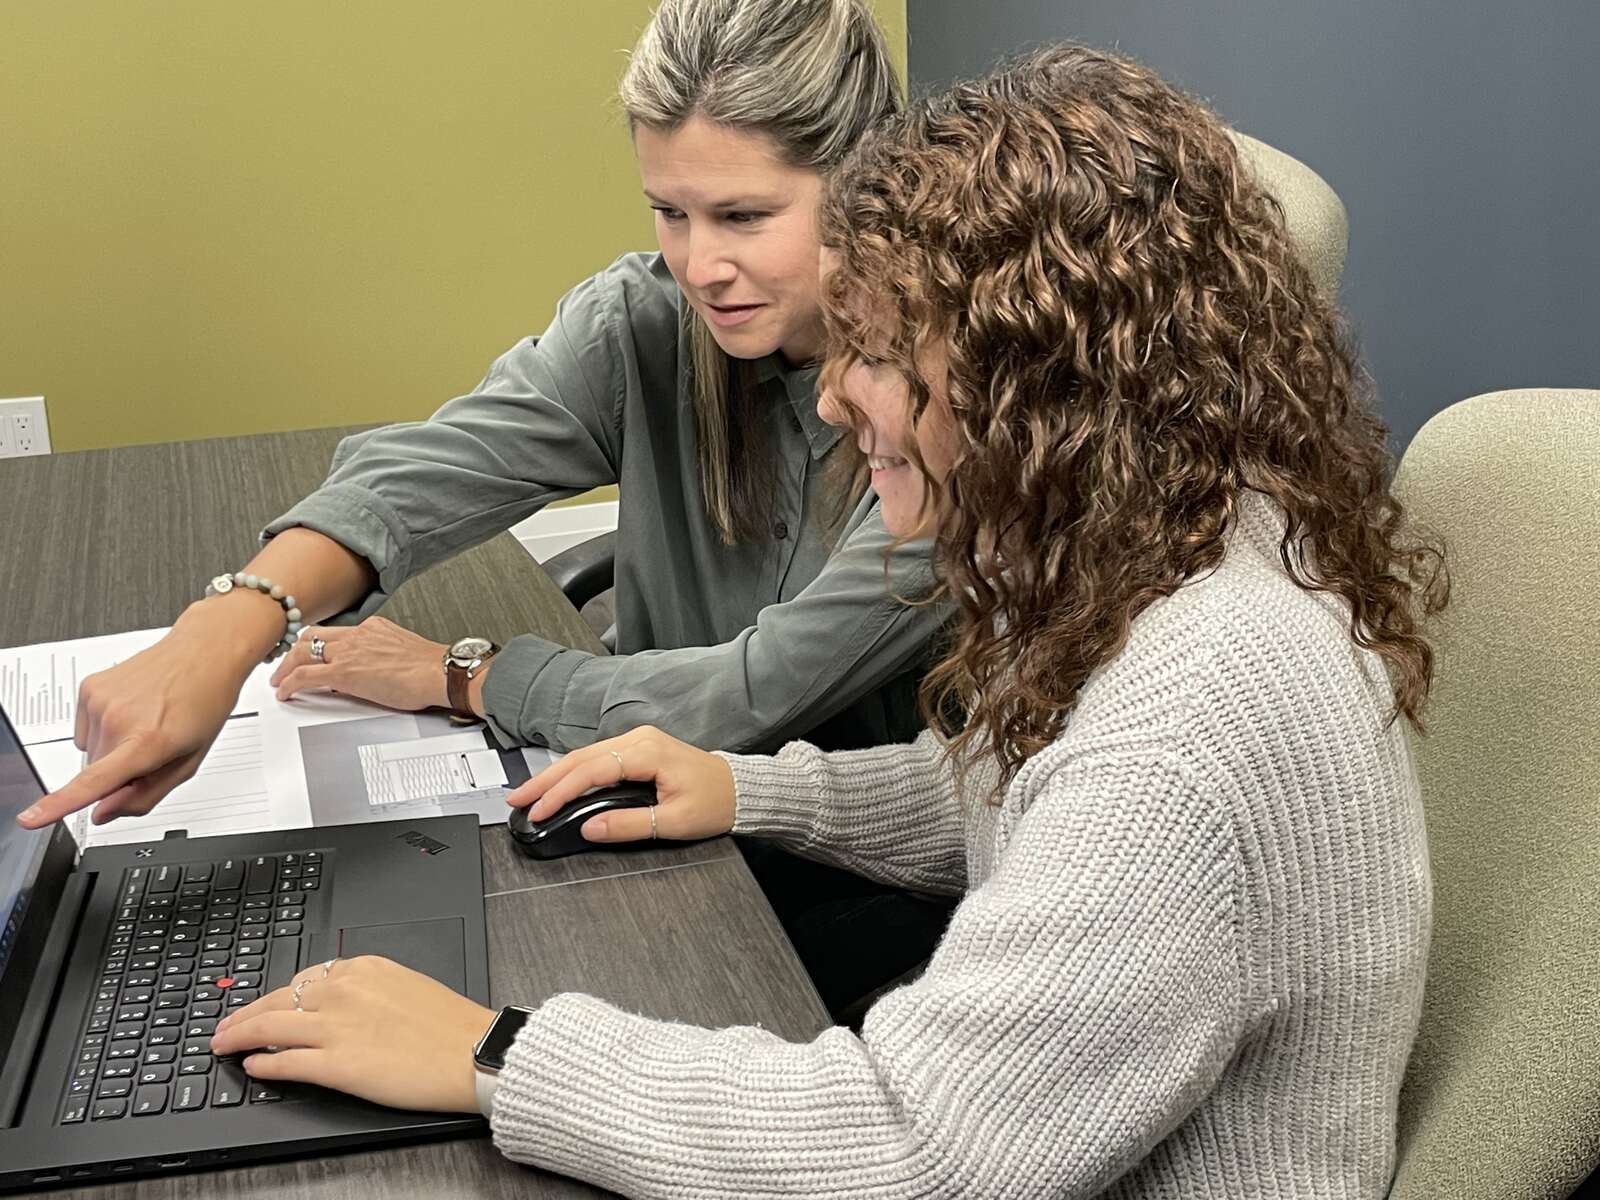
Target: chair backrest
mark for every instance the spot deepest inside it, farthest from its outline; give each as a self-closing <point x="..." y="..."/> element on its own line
<point x="1312" y="211"/>
<point x="1502" y="1093"/>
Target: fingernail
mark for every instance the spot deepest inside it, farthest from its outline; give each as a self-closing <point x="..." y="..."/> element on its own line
<point x="596" y="828"/>
<point x="30" y="814"/>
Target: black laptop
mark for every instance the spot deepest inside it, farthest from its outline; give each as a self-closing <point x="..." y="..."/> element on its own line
<point x="116" y="966"/>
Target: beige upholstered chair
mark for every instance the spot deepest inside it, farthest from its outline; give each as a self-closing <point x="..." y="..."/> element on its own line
<point x="1502" y="1095"/>
<point x="1312" y="211"/>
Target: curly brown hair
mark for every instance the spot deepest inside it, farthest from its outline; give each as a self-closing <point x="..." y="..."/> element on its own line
<point x="1132" y="341"/>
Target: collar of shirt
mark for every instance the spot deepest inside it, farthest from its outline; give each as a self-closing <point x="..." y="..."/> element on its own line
<point x="800" y="385"/>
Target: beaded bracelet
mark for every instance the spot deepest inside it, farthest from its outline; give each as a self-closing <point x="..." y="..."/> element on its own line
<point x="223" y="584"/>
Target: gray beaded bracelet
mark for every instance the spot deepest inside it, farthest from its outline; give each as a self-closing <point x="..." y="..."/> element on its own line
<point x="223" y="584"/>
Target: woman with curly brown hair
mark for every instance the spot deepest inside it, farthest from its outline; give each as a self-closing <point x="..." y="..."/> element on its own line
<point x="1166" y="766"/>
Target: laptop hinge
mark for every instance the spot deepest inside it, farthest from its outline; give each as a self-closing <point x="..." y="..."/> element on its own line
<point x="44" y="994"/>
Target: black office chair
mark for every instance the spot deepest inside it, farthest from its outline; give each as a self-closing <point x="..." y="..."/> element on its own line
<point x="586" y="574"/>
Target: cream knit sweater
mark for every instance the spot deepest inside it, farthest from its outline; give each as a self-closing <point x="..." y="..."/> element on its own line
<point x="1189" y="962"/>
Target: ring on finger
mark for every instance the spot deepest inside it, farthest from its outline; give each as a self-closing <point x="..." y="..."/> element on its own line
<point x="652" y="822"/>
<point x="294" y="994"/>
<point x="622" y="771"/>
<point x="328" y="966"/>
<point x="319" y="650"/>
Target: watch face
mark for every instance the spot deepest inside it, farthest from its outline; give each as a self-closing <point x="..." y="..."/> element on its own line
<point x="491" y="1051"/>
<point x="469" y="648"/>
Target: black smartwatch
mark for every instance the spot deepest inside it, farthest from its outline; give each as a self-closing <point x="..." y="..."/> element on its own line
<point x="490" y="1052"/>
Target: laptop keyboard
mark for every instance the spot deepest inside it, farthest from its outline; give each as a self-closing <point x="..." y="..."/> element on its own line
<point x="190" y="941"/>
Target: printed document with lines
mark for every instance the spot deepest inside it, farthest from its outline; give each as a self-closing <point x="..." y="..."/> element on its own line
<point x="320" y="759"/>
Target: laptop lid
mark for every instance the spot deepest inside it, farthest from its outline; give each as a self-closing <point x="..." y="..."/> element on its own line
<point x="35" y="865"/>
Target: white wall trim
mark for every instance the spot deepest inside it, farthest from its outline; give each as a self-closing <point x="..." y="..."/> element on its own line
<point x="552" y="530"/>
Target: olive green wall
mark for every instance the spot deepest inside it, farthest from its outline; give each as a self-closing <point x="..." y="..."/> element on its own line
<point x="219" y="218"/>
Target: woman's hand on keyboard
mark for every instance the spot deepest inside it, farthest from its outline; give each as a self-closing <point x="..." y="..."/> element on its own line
<point x="694" y="789"/>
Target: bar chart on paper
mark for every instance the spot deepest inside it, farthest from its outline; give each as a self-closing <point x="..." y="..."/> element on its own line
<point x="43" y="697"/>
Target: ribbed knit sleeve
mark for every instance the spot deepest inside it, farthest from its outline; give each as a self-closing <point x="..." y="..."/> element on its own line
<point x="891" y="813"/>
<point x="1086" y="997"/>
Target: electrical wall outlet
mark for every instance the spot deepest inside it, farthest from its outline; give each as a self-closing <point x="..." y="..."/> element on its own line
<point x="23" y="428"/>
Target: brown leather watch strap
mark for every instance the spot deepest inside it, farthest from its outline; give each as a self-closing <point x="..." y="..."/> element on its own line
<point x="458" y="680"/>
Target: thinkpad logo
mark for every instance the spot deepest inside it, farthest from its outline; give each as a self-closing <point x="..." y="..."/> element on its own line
<point x="423" y="842"/>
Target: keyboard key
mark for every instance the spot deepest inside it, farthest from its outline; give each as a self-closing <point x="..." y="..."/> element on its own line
<point x="200" y="1065"/>
<point x="216" y="958"/>
<point x="291" y="896"/>
<point x="286" y="929"/>
<point x="100" y="1024"/>
<point x="230" y="1085"/>
<point x="163" y="879"/>
<point x="207" y="993"/>
<point x="133" y="1012"/>
<point x="196" y="1045"/>
<point x="248" y="962"/>
<point x="230" y="899"/>
<point x="191" y="891"/>
<point x="294" y="913"/>
<point x="247" y="979"/>
<point x="220" y="927"/>
<point x="204" y="1027"/>
<point x="174" y="969"/>
<point x="107" y="1109"/>
<point x="171" y="1000"/>
<point x="312" y="871"/>
<point x="283" y="962"/>
<point x="187" y="950"/>
<point x="197" y="873"/>
<point x="239" y="997"/>
<point x="260" y="875"/>
<point x="177" y="983"/>
<point x="253" y="945"/>
<point x="230" y="874"/>
<point x="129" y="1029"/>
<point x="74" y="1109"/>
<point x="169" y="1018"/>
<point x="208" y="1008"/>
<point x="179" y="936"/>
<point x="160" y="1054"/>
<point x="167" y="1035"/>
<point x="155" y="1073"/>
<point x="260" y="1093"/>
<point x="190" y="1093"/>
<point x="228" y="912"/>
<point x="150" y="946"/>
<point x="122" y="1070"/>
<point x="258" y="917"/>
<point x="141" y="978"/>
<point x="310" y="885"/>
<point x="139" y="965"/>
<point x="138" y="995"/>
<point x="150" y="1100"/>
<point x="220" y="942"/>
<point x="119" y="1050"/>
<point x="114" y="1087"/>
<point x="257" y="902"/>
<point x="312" y="856"/>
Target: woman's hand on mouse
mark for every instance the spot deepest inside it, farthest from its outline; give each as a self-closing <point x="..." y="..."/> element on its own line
<point x="694" y="789"/>
<point x="348" y="1026"/>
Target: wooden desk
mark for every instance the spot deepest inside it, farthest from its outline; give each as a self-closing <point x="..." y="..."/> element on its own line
<point x="113" y="540"/>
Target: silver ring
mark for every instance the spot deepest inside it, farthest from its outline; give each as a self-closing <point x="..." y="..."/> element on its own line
<point x="652" y="822"/>
<point x="319" y="650"/>
<point x="328" y="966"/>
<point x="294" y="994"/>
<point x="622" y="771"/>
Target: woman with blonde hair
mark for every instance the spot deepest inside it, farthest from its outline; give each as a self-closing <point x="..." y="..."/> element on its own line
<point x="1166" y="769"/>
<point x="751" y="601"/>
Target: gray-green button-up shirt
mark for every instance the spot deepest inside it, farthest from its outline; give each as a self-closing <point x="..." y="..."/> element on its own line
<point x="732" y="647"/>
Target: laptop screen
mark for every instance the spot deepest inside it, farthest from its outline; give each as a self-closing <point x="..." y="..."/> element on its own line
<point x="34" y="865"/>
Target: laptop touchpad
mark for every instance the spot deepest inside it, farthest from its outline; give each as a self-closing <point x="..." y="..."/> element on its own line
<point x="436" y="948"/>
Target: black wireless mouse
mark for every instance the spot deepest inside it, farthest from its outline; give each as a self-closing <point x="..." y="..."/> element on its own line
<point x="561" y="834"/>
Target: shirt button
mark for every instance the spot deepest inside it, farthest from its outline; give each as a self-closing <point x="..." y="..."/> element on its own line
<point x="780" y="530"/>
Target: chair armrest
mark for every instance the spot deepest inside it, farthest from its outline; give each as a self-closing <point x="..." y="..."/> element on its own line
<point x="583" y="571"/>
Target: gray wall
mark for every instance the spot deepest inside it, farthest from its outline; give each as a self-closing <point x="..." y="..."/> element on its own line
<point x="1462" y="135"/>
